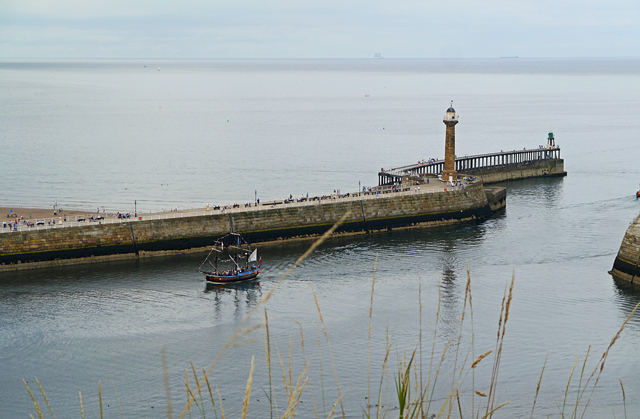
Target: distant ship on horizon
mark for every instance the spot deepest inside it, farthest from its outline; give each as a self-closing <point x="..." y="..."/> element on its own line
<point x="378" y="55"/>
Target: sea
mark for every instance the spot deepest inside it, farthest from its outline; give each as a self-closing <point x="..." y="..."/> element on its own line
<point x="130" y="337"/>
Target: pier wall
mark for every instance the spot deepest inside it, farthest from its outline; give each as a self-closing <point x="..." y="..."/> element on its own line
<point x="256" y="224"/>
<point x="515" y="171"/>
<point x="627" y="262"/>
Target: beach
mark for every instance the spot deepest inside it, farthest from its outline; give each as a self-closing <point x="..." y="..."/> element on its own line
<point x="40" y="213"/>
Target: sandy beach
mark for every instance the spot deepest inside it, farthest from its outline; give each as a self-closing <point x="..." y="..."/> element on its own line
<point x="7" y="213"/>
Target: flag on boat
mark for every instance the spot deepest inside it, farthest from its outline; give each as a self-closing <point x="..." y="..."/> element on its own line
<point x="254" y="256"/>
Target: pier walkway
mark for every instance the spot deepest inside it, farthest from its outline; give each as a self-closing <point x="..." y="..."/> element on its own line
<point x="71" y="220"/>
<point x="435" y="167"/>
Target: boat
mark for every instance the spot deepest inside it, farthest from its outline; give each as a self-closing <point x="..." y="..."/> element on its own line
<point x="638" y="194"/>
<point x="231" y="287"/>
<point x="231" y="259"/>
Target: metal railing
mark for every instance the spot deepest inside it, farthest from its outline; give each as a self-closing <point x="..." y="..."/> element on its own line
<point x="436" y="166"/>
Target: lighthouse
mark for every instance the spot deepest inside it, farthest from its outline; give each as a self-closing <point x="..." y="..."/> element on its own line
<point x="450" y="120"/>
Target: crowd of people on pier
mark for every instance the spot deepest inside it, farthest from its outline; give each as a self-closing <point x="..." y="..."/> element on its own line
<point x="17" y="221"/>
<point x="13" y="224"/>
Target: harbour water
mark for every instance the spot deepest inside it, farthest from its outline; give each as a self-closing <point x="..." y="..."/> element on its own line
<point x="177" y="134"/>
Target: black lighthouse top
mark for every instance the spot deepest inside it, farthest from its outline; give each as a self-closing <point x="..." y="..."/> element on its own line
<point x="450" y="117"/>
<point x="451" y="108"/>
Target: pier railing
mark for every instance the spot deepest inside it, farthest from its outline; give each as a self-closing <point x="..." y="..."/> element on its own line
<point x="435" y="167"/>
<point x="385" y="191"/>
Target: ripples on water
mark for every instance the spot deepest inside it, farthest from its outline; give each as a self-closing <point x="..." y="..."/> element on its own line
<point x="306" y="126"/>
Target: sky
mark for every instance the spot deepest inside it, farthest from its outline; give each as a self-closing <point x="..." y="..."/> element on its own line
<point x="210" y="29"/>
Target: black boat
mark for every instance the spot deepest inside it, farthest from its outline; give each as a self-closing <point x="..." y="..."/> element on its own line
<point x="231" y="259"/>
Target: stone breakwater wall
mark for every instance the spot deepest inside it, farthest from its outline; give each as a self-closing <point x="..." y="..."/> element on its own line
<point x="497" y="197"/>
<point x="130" y="239"/>
<point x="515" y="171"/>
<point x="627" y="263"/>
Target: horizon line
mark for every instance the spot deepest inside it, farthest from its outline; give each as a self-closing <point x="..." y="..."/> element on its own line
<point x="514" y="57"/>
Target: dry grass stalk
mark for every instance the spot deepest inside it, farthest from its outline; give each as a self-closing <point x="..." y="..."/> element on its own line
<point x="584" y="365"/>
<point x="213" y="403"/>
<point x="473" y="371"/>
<point x="447" y="400"/>
<point x="304" y="357"/>
<point x="538" y="386"/>
<point x="324" y="404"/>
<point x="422" y="389"/>
<point x="624" y="398"/>
<point x="330" y="415"/>
<point x="117" y="398"/>
<point x="459" y="405"/>
<point x="81" y="407"/>
<point x="247" y="392"/>
<point x="220" y="402"/>
<point x="189" y="392"/>
<point x="600" y="365"/>
<point x="433" y="351"/>
<point x="284" y="374"/>
<point x="35" y="402"/>
<point x="290" y="360"/>
<point x="502" y="325"/>
<point x="382" y="376"/>
<point x="373" y="283"/>
<point x="566" y="390"/>
<point x="100" y="397"/>
<point x="492" y="411"/>
<point x="263" y="300"/>
<point x="45" y="399"/>
<point x="243" y="336"/>
<point x="165" y="376"/>
<point x="326" y="335"/>
<point x="195" y="377"/>
<point x="459" y="371"/>
<point x="267" y="354"/>
<point x="455" y="372"/>
<point x="480" y="358"/>
<point x="296" y="393"/>
<point x="471" y="349"/>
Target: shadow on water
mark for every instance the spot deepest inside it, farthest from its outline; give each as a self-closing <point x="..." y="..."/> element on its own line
<point x="243" y="295"/>
<point x="627" y="295"/>
<point x="421" y="250"/>
<point x="548" y="190"/>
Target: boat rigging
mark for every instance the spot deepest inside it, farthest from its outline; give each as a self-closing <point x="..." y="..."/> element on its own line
<point x="233" y="260"/>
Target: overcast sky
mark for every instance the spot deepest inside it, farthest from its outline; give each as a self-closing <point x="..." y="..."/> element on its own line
<point x="318" y="28"/>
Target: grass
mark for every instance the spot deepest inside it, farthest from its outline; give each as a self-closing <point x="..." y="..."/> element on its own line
<point x="415" y="384"/>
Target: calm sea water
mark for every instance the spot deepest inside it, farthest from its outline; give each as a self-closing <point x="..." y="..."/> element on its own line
<point x="183" y="133"/>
